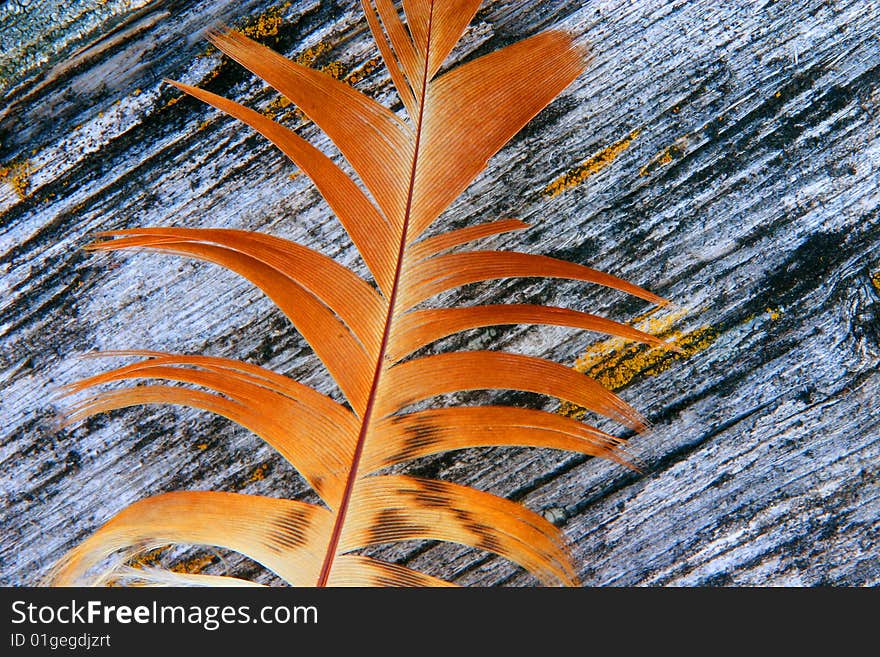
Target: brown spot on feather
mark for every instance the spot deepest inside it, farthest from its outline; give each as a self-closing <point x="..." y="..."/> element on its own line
<point x="429" y="493"/>
<point x="487" y="538"/>
<point x="394" y="524"/>
<point x="288" y="530"/>
<point x="419" y="435"/>
<point x="397" y="576"/>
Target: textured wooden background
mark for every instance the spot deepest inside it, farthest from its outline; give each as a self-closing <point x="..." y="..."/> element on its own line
<point x="724" y="155"/>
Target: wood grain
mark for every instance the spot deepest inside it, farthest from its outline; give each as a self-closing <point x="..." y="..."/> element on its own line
<point x="747" y="192"/>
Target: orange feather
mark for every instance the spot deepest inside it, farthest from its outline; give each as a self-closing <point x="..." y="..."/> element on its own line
<point x="409" y="170"/>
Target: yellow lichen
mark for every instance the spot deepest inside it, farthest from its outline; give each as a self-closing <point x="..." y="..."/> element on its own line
<point x="154" y="557"/>
<point x="591" y="166"/>
<point x="193" y="565"/>
<point x="616" y="362"/>
<point x="18" y="177"/>
<point x="259" y="28"/>
<point x="263" y="25"/>
<point x="276" y="106"/>
<point x="875" y="280"/>
<point x="363" y="71"/>
<point x="334" y="70"/>
<point x="667" y="155"/>
<point x="308" y="56"/>
<point x="213" y="73"/>
<point x="775" y="313"/>
<point x="150" y="558"/>
<point x="259" y="473"/>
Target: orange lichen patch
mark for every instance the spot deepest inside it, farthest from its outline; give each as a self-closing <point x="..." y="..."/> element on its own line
<point x="616" y="362"/>
<point x="363" y="71"/>
<point x="334" y="70"/>
<point x="263" y="25"/>
<point x="202" y="446"/>
<point x="875" y="280"/>
<point x="277" y="105"/>
<point x="17" y="175"/>
<point x="210" y="76"/>
<point x="259" y="473"/>
<point x="156" y="556"/>
<point x="172" y="101"/>
<point x="667" y="155"/>
<point x="193" y="565"/>
<point x="150" y="558"/>
<point x="591" y="166"/>
<point x="308" y="56"/>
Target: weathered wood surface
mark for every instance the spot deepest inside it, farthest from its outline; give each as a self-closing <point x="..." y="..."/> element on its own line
<point x="744" y="187"/>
